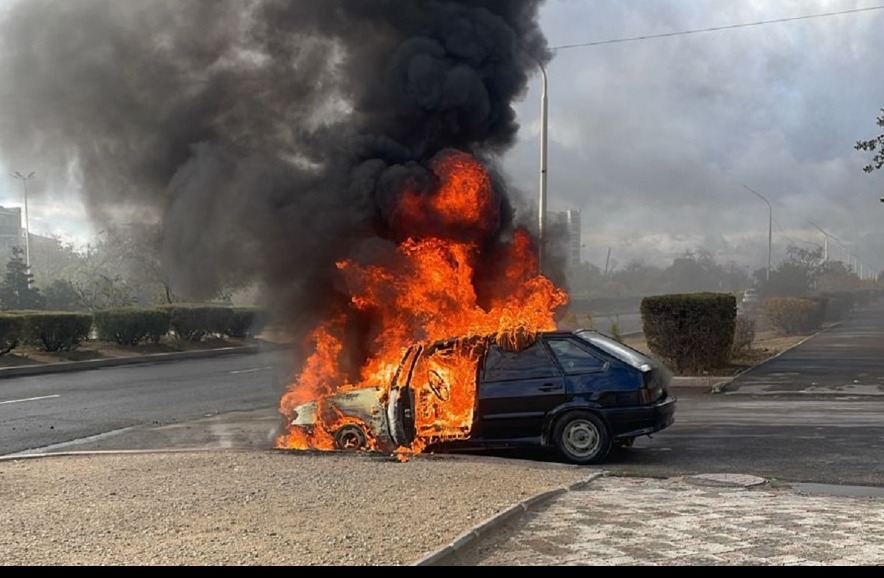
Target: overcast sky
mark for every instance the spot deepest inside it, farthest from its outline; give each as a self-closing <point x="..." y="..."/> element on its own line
<point x="657" y="140"/>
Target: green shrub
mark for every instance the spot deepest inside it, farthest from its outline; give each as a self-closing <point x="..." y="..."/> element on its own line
<point x="56" y="331"/>
<point x="195" y="322"/>
<point x="795" y="315"/>
<point x="840" y="303"/>
<point x="691" y="332"/>
<point x="246" y="322"/>
<point x="614" y="330"/>
<point x="11" y="329"/>
<point x="131" y="325"/>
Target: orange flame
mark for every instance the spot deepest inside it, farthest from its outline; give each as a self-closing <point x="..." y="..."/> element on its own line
<point x="430" y="292"/>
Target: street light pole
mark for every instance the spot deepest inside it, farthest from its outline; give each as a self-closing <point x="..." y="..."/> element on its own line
<point x="826" y="237"/>
<point x="769" y="227"/>
<point x="544" y="112"/>
<point x="24" y="183"/>
<point x="541" y="205"/>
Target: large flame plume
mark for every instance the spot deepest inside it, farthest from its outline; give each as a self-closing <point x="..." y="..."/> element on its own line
<point x="425" y="293"/>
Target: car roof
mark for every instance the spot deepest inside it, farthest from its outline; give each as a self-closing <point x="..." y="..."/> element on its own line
<point x="545" y="334"/>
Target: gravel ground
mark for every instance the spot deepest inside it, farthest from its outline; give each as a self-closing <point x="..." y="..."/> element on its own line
<point x="261" y="508"/>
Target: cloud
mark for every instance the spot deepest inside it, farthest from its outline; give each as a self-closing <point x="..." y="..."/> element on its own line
<point x="655" y="139"/>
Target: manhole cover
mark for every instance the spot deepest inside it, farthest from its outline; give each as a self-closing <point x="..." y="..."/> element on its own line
<point x="726" y="480"/>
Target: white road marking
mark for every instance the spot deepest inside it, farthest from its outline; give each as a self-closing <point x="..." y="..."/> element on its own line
<point x="29" y="399"/>
<point x="252" y="370"/>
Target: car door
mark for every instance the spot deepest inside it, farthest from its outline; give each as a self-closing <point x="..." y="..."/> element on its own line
<point x="516" y="391"/>
<point x="400" y="401"/>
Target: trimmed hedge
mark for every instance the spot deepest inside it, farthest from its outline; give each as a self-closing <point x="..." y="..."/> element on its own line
<point x="246" y="322"/>
<point x="795" y="315"/>
<point x="11" y="330"/>
<point x="131" y="325"/>
<point x="63" y="331"/>
<point x="194" y="322"/>
<point x="55" y="331"/>
<point x="692" y="332"/>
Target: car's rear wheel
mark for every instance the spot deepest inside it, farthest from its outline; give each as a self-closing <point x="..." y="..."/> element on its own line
<point x="581" y="437"/>
<point x="351" y="437"/>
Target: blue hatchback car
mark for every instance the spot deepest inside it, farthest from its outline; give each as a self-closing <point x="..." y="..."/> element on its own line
<point x="576" y="394"/>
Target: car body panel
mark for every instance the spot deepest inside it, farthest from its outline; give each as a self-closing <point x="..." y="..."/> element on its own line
<point x="751" y="298"/>
<point x="363" y="406"/>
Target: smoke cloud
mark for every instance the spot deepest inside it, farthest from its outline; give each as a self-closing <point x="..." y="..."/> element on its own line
<point x="267" y="138"/>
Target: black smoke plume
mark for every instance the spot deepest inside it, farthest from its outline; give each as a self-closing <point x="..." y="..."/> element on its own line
<point x="267" y="138"/>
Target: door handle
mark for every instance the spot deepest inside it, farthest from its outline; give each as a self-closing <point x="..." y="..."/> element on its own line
<point x="550" y="387"/>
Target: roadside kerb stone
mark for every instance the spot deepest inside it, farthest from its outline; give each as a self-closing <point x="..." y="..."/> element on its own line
<point x="483" y="528"/>
<point x="62" y="366"/>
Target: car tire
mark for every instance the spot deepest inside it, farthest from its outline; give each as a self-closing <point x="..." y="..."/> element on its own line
<point x="581" y="437"/>
<point x="351" y="437"/>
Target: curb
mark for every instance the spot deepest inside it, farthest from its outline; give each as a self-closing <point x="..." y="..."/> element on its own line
<point x="438" y="557"/>
<point x="62" y="366"/>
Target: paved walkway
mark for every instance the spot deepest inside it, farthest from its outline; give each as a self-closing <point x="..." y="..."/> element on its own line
<point x="705" y="520"/>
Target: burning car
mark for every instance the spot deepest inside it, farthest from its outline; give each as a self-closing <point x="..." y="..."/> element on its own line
<point x="576" y="394"/>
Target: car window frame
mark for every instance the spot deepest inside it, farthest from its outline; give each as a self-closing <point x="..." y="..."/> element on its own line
<point x="550" y="357"/>
<point x="581" y="345"/>
<point x="617" y="350"/>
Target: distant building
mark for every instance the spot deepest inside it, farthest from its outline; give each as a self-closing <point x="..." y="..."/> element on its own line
<point x="569" y="223"/>
<point x="11" y="232"/>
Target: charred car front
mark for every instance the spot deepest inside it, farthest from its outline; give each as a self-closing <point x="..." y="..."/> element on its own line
<point x="576" y="394"/>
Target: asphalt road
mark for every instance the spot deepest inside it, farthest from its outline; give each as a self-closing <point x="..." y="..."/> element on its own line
<point x="844" y="362"/>
<point x="62" y="410"/>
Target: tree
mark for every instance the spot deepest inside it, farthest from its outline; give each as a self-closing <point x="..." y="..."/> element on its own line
<point x="797" y="275"/>
<point x="53" y="259"/>
<point x="698" y="270"/>
<point x="585" y="280"/>
<point x="875" y="145"/>
<point x="111" y="272"/>
<point x="61" y="295"/>
<point x="16" y="289"/>
<point x="638" y="277"/>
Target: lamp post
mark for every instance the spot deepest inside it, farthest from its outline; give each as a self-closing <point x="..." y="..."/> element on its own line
<point x="544" y="111"/>
<point x="769" y="227"/>
<point x="826" y="237"/>
<point x="24" y="183"/>
<point x="541" y="204"/>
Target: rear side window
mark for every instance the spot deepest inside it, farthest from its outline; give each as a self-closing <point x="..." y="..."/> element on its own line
<point x="573" y="358"/>
<point x="533" y="362"/>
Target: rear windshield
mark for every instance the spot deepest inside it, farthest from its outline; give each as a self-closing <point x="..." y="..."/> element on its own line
<point x="624" y="353"/>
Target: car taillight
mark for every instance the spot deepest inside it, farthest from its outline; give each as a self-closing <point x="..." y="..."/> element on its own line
<point x="654" y="388"/>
